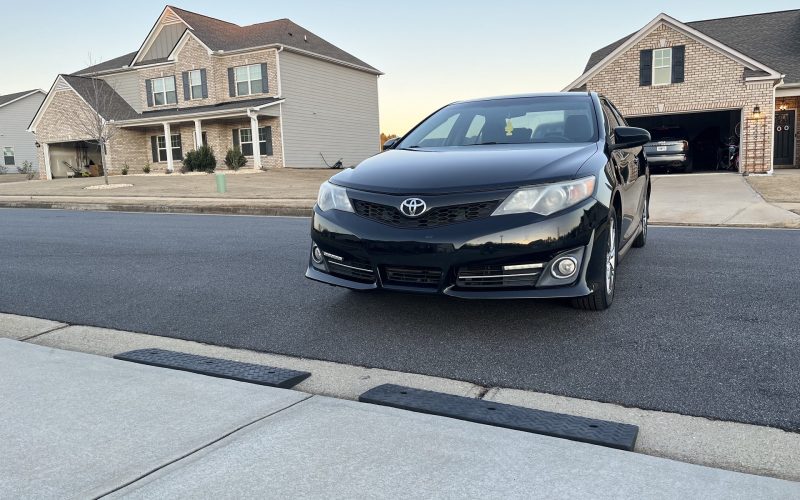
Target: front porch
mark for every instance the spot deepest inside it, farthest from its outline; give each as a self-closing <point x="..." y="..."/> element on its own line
<point x="160" y="140"/>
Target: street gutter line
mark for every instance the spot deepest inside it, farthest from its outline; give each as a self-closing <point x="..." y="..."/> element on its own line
<point x="25" y="339"/>
<point x="201" y="448"/>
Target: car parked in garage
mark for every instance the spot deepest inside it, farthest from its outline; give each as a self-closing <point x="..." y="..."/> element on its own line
<point x="669" y="149"/>
<point x="533" y="196"/>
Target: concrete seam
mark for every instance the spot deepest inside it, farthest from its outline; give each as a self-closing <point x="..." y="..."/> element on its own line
<point x="30" y="337"/>
<point x="202" y="447"/>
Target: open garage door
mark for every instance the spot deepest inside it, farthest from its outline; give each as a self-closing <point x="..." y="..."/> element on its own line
<point x="708" y="133"/>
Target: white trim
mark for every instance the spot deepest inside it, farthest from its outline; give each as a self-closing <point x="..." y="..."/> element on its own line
<point x="23" y="97"/>
<point x="47" y="169"/>
<point x="280" y="124"/>
<point x="153" y="34"/>
<point x="653" y="66"/>
<point x="787" y="91"/>
<point x="679" y="26"/>
<point x="182" y="41"/>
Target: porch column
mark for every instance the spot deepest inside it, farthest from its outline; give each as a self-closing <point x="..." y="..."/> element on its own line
<point x="168" y="141"/>
<point x="198" y="134"/>
<point x="256" y="143"/>
<point x="46" y="166"/>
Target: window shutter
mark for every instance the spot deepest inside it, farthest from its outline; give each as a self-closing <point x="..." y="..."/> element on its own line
<point x="678" y="57"/>
<point x="179" y="156"/>
<point x="231" y="83"/>
<point x="236" y="139"/>
<point x="148" y="85"/>
<point x="154" y="148"/>
<point x="264" y="79"/>
<point x="204" y="83"/>
<point x="174" y="84"/>
<point x="645" y="68"/>
<point x="265" y="148"/>
<point x="186" y="94"/>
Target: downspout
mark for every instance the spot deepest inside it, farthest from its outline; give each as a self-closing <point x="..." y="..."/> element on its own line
<point x="280" y="105"/>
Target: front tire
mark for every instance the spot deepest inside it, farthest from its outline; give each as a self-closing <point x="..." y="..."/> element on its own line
<point x="603" y="295"/>
<point x="641" y="239"/>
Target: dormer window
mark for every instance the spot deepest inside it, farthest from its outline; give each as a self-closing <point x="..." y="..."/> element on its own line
<point x="164" y="91"/>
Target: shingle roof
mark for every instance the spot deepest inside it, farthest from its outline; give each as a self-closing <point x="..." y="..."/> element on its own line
<point x="247" y="103"/>
<point x="771" y="38"/>
<point x="226" y="36"/>
<point x="101" y="97"/>
<point x="5" y="99"/>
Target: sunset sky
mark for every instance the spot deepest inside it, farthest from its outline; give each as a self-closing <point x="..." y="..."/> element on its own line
<point x="433" y="52"/>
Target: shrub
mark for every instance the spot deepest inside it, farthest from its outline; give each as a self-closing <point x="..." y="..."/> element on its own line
<point x="2" y="169"/>
<point x="200" y="160"/>
<point x="146" y="168"/>
<point x="235" y="160"/>
<point x="124" y="169"/>
<point x="27" y="169"/>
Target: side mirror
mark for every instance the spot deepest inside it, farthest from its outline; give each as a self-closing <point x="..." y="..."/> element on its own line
<point x="391" y="143"/>
<point x="629" y="137"/>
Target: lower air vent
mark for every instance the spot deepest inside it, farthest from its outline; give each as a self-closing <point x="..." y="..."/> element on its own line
<point x="414" y="276"/>
<point x="497" y="277"/>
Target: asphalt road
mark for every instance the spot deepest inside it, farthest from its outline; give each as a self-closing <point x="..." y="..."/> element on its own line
<point x="705" y="321"/>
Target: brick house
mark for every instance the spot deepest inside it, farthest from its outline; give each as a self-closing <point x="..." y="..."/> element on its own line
<point x="284" y="96"/>
<point x="736" y="77"/>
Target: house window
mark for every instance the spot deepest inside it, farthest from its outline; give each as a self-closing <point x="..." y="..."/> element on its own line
<point x="662" y="66"/>
<point x="8" y="155"/>
<point x="246" y="141"/>
<point x="195" y="84"/>
<point x="164" y="91"/>
<point x="248" y="80"/>
<point x="161" y="147"/>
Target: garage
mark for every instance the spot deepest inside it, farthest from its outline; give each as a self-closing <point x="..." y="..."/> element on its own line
<point x="708" y="135"/>
<point x="75" y="159"/>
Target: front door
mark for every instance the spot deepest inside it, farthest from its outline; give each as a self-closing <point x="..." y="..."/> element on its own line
<point x="784" y="137"/>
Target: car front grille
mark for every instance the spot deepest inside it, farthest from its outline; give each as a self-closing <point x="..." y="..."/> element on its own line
<point x="496" y="277"/>
<point x="354" y="270"/>
<point x="414" y="276"/>
<point x="436" y="217"/>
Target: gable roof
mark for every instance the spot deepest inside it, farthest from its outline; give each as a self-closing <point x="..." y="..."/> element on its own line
<point x="772" y="38"/>
<point x="101" y="97"/>
<point x="223" y="36"/>
<point x="9" y="98"/>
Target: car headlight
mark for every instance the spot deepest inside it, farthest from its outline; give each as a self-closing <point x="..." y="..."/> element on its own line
<point x="334" y="197"/>
<point x="547" y="198"/>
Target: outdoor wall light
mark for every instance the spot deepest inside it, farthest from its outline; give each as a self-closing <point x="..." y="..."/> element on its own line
<point x="37" y="144"/>
<point x="757" y="112"/>
<point x="782" y="107"/>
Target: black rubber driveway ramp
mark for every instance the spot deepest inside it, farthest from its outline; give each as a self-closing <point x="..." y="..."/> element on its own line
<point x="586" y="430"/>
<point x="216" y="367"/>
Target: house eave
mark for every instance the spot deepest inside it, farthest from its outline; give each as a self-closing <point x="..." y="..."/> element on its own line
<point x="23" y="97"/>
<point x="289" y="48"/>
<point x="226" y="113"/>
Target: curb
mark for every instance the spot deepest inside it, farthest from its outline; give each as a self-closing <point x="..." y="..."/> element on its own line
<point x="729" y="226"/>
<point x="174" y="209"/>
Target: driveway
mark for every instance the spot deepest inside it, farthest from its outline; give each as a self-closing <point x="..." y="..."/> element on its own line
<point x="714" y="199"/>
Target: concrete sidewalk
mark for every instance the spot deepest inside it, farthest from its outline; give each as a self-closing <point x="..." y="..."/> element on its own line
<point x="77" y="425"/>
<point x="713" y="199"/>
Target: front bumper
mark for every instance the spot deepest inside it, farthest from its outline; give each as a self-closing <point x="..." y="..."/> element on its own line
<point x="463" y="259"/>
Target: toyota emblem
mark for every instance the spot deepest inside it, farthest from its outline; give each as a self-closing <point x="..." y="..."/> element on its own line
<point x="413" y="207"/>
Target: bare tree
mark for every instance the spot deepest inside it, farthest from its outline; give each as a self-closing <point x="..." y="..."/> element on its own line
<point x="95" y="122"/>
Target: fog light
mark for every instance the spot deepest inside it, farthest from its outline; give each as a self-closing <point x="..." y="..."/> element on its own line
<point x="316" y="254"/>
<point x="564" y="268"/>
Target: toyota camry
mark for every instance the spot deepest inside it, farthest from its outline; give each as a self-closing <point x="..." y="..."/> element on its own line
<point x="532" y="196"/>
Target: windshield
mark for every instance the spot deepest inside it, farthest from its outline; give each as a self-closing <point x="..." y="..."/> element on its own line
<point x="519" y="120"/>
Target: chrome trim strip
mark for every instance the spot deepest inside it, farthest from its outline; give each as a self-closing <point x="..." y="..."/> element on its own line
<point x="352" y="267"/>
<point x="523" y="266"/>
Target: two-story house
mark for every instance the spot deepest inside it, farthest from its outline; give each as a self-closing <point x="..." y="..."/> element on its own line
<point x="17" y="145"/>
<point x="729" y="80"/>
<point x="282" y="95"/>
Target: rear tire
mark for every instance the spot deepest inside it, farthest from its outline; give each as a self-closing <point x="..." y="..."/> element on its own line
<point x="603" y="294"/>
<point x="641" y="239"/>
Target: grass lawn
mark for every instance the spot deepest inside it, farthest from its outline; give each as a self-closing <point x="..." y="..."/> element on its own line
<point x="782" y="187"/>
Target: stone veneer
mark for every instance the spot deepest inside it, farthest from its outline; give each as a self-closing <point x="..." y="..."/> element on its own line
<point x="712" y="82"/>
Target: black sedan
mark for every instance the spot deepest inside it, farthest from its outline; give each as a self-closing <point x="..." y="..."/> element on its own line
<point x="534" y="196"/>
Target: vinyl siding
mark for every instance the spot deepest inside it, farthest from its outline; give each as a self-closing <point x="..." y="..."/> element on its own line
<point x="329" y="109"/>
<point x="165" y="42"/>
<point x="127" y="86"/>
<point x="14" y="121"/>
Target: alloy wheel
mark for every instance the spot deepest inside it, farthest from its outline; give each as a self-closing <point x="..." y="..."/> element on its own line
<point x="611" y="256"/>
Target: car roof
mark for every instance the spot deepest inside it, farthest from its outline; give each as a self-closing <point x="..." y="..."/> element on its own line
<point x="518" y="96"/>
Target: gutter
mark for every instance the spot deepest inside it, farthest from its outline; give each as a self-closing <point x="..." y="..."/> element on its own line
<point x="188" y="116"/>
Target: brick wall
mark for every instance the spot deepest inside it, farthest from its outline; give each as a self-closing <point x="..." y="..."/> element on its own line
<point x="712" y="81"/>
<point x="194" y="56"/>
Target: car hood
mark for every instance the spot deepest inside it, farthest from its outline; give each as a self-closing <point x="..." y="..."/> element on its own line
<point x="467" y="168"/>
